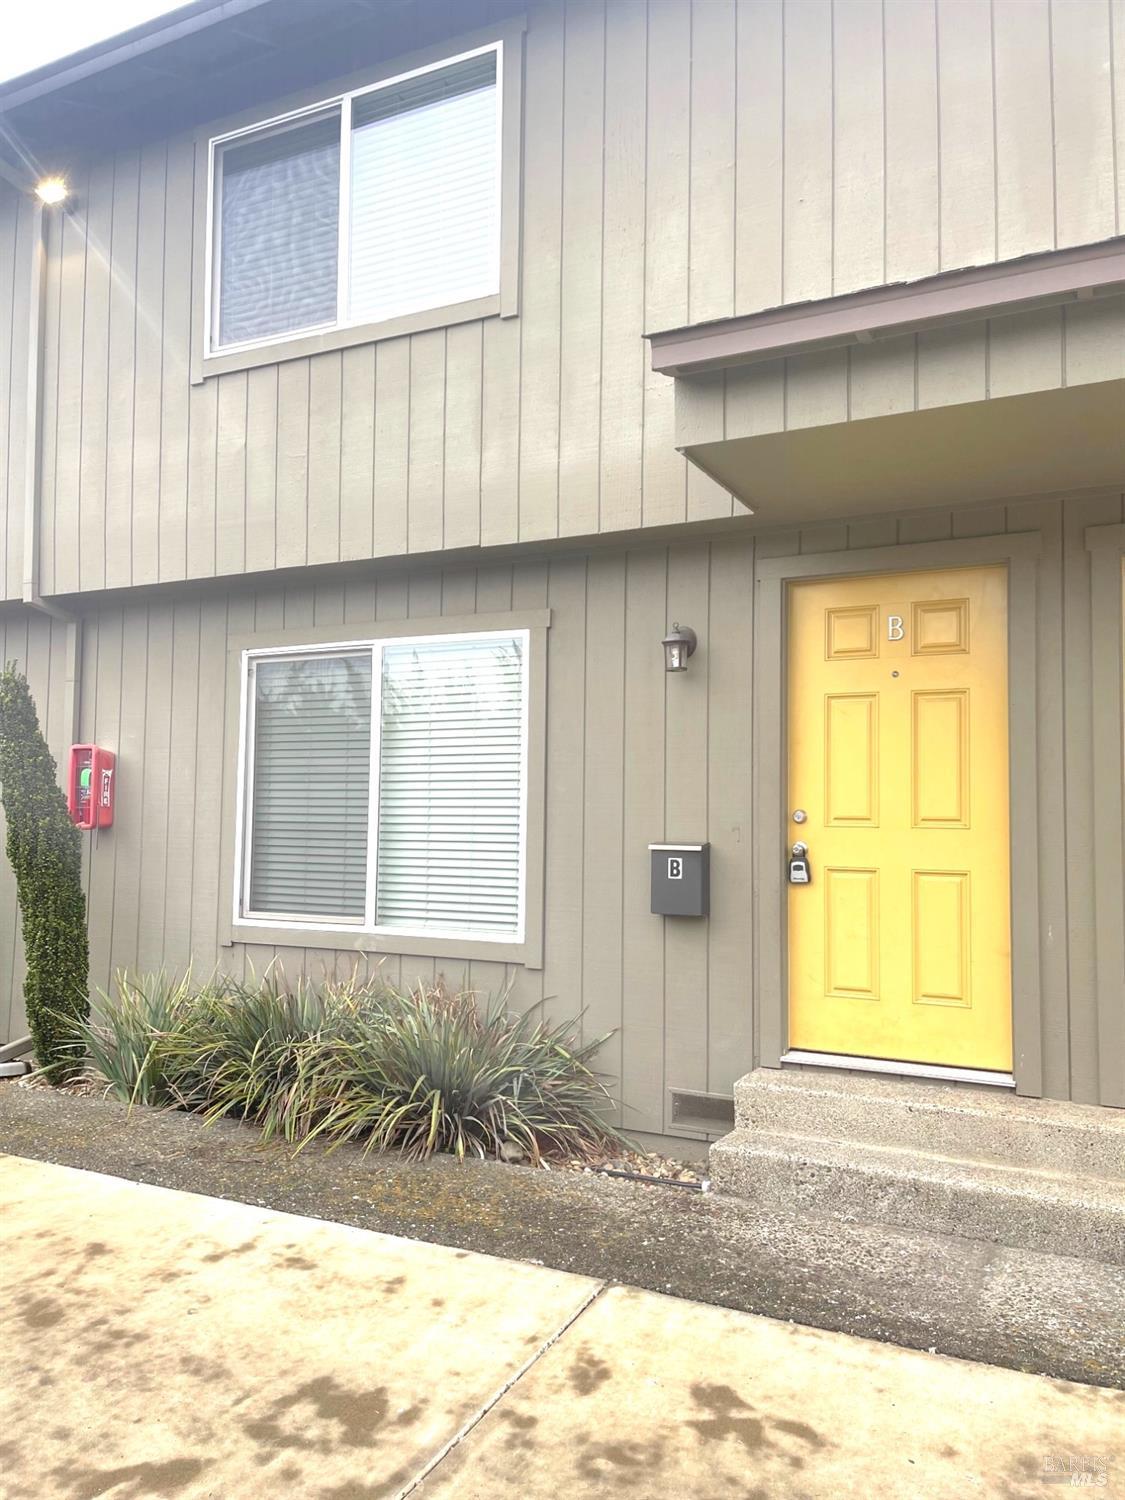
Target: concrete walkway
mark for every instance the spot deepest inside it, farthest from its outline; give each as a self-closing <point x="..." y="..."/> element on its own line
<point x="159" y="1343"/>
<point x="1052" y="1314"/>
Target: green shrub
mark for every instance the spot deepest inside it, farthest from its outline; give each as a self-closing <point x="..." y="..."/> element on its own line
<point x="45" y="850"/>
<point x="423" y="1071"/>
<point x="432" y="1071"/>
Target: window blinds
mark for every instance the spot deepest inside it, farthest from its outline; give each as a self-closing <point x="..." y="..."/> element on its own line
<point x="278" y="231"/>
<point x="424" y="221"/>
<point x="312" y="772"/>
<point x="450" y="786"/>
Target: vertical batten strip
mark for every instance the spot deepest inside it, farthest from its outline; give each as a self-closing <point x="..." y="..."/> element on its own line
<point x="808" y="151"/>
<point x="858" y="136"/>
<point x="759" y="155"/>
<point x="1083" y="121"/>
<point x="624" y="357"/>
<point x="544" y="134"/>
<point x="686" y="788"/>
<point x="580" y="283"/>
<point x="967" y="134"/>
<point x="1107" y="598"/>
<point x="913" y="176"/>
<point x="147" y="375"/>
<point x="600" y="876"/>
<point x="1025" y="152"/>
<point x="325" y="438"/>
<point x="121" y="435"/>
<point x="176" y="343"/>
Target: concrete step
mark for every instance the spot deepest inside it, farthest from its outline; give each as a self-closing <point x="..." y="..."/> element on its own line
<point x="1061" y="1213"/>
<point x="972" y="1123"/>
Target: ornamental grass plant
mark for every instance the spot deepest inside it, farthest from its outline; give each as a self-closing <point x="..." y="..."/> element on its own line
<point x="126" y="1046"/>
<point x="433" y="1070"/>
<point x="246" y="1050"/>
<point x="424" y="1070"/>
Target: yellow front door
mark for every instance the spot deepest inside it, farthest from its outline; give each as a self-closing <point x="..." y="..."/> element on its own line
<point x="899" y="945"/>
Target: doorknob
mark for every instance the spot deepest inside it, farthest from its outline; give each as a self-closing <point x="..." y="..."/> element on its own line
<point x="799" y="871"/>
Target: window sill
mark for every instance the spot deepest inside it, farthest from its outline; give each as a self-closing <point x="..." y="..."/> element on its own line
<point x="301" y="346"/>
<point x="417" y="945"/>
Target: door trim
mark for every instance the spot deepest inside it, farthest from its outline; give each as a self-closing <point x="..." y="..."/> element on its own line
<point x="1021" y="552"/>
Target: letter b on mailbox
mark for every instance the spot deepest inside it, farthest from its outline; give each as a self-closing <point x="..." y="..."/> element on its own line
<point x="680" y="879"/>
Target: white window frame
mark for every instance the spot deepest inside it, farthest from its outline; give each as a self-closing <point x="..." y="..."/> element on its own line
<point x="211" y="302"/>
<point x="243" y="915"/>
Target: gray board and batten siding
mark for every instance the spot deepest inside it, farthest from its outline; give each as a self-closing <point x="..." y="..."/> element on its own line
<point x="682" y="162"/>
<point x="633" y="756"/>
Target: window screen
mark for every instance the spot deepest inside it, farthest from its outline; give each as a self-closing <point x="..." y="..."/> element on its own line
<point x="450" y="785"/>
<point x="277" y="231"/>
<point x="424" y="228"/>
<point x="311" y="784"/>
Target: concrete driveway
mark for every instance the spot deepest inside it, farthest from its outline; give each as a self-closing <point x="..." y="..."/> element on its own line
<point x="157" y="1343"/>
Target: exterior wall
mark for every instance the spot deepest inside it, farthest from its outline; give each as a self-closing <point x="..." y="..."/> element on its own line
<point x="625" y="748"/>
<point x="683" y="160"/>
<point x="634" y="756"/>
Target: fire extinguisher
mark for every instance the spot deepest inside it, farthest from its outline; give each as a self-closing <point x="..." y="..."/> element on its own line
<point x="90" y="786"/>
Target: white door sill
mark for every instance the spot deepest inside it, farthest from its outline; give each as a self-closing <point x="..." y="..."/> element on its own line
<point x="902" y="1069"/>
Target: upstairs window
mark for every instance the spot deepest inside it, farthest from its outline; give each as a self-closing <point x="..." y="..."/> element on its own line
<point x="379" y="204"/>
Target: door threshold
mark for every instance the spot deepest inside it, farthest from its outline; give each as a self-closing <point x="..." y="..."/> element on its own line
<point x="907" y="1069"/>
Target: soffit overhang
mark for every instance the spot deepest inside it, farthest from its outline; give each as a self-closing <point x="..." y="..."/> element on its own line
<point x="1041" y="443"/>
<point x="202" y="62"/>
<point x="999" y="381"/>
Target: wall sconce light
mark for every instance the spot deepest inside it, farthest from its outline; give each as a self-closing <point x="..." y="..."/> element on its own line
<point x="678" y="645"/>
<point x="52" y="190"/>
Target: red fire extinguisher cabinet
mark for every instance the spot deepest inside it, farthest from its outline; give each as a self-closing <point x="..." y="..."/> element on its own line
<point x="90" y="786"/>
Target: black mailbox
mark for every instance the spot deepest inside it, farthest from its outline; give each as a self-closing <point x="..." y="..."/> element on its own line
<point x="681" y="879"/>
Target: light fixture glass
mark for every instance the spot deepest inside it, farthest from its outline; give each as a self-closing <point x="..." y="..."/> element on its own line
<point x="51" y="190"/>
<point x="679" y="644"/>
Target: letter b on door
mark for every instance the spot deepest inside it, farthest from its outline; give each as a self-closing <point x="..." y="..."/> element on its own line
<point x="895" y="631"/>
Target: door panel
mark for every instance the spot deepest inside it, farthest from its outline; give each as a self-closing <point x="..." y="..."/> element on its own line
<point x="898" y="753"/>
<point x="851" y="760"/>
<point x="851" y="933"/>
<point x="939" y="736"/>
<point x="941" y="937"/>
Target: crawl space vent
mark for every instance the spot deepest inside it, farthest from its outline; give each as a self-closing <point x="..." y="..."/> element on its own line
<point x="693" y="1110"/>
